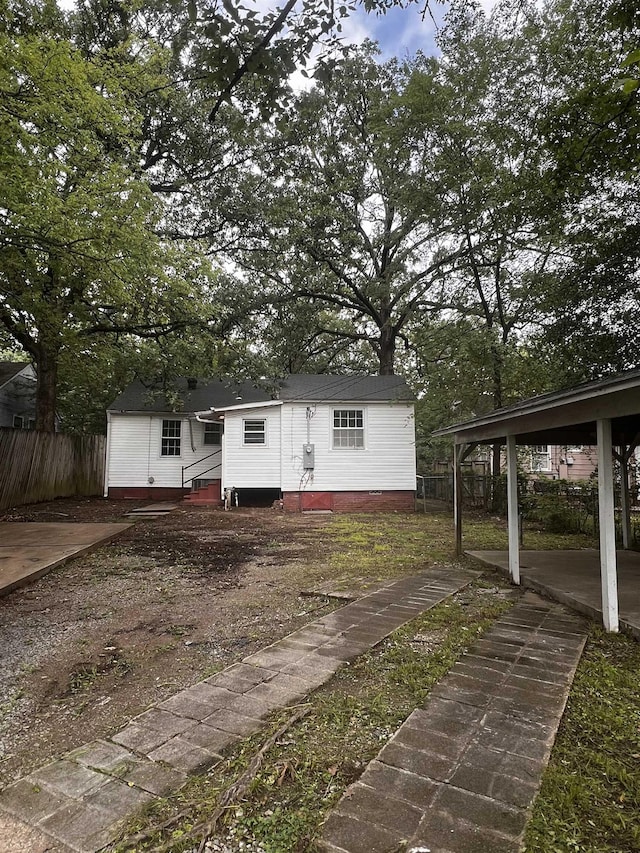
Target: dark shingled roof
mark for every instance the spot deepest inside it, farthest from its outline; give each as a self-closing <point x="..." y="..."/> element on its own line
<point x="208" y="393"/>
<point x="319" y="387"/>
<point x="216" y="393"/>
<point x="9" y="369"/>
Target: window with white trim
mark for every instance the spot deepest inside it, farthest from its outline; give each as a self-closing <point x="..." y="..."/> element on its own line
<point x="171" y="433"/>
<point x="213" y="433"/>
<point x="254" y="431"/>
<point x="348" y="428"/>
<point x="18" y="422"/>
<point x="540" y="457"/>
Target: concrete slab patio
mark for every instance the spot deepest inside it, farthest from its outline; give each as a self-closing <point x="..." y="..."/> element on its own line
<point x="30" y="549"/>
<point x="573" y="578"/>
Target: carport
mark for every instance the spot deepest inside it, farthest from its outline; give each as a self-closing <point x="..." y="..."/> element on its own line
<point x="604" y="413"/>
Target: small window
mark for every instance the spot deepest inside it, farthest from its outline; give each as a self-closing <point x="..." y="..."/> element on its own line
<point x="18" y="421"/>
<point x="540" y="457"/>
<point x="254" y="432"/>
<point x="170" y="438"/>
<point x="32" y="423"/>
<point x="348" y="428"/>
<point x="213" y="434"/>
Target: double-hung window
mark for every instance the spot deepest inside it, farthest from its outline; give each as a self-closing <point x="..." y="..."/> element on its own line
<point x="254" y="431"/>
<point x="348" y="428"/>
<point x="170" y="444"/>
<point x="213" y="434"/>
<point x="540" y="457"/>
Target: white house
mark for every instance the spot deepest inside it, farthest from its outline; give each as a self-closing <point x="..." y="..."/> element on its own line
<point x="341" y="443"/>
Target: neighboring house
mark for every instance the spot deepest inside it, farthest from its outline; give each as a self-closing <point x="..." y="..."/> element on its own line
<point x="319" y="442"/>
<point x="17" y="395"/>
<point x="544" y="461"/>
<point x="560" y="462"/>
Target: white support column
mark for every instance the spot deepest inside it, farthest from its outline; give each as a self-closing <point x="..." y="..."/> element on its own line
<point x="457" y="495"/>
<point x="512" y="509"/>
<point x="608" y="568"/>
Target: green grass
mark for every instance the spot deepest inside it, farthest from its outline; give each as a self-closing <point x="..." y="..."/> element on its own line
<point x="590" y="796"/>
<point x="490" y="534"/>
<point x="387" y="546"/>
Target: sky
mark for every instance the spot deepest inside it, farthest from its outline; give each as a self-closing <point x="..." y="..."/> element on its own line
<point x="400" y="32"/>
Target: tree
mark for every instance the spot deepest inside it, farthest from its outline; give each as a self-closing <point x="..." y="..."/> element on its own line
<point x="79" y="251"/>
<point x="591" y="135"/>
<point x="350" y="216"/>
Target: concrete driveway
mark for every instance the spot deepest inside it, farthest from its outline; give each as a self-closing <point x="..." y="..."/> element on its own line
<point x="30" y="549"/>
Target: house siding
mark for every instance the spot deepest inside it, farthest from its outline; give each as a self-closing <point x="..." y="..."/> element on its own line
<point x="17" y="397"/>
<point x="385" y="463"/>
<point x="252" y="466"/>
<point x="582" y="467"/>
<point x="134" y="443"/>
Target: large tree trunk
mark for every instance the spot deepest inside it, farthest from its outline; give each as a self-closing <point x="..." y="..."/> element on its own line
<point x="496" y="450"/>
<point x="386" y="351"/>
<point x="47" y="388"/>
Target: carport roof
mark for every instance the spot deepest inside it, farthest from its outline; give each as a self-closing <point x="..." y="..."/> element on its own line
<point x="561" y="417"/>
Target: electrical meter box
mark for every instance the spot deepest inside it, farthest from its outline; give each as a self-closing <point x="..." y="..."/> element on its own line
<point x="308" y="456"/>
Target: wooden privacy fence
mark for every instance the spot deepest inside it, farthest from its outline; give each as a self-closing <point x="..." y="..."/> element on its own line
<point x="40" y="466"/>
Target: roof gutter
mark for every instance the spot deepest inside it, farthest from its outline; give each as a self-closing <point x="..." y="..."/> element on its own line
<point x="241" y="407"/>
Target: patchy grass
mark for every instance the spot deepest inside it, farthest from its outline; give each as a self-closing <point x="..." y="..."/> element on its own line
<point x="484" y="533"/>
<point x="590" y="796"/>
<point x="386" y="546"/>
<point x="349" y="720"/>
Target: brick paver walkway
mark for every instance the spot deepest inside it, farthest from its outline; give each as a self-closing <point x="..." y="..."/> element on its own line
<point x="460" y="774"/>
<point x="81" y="799"/>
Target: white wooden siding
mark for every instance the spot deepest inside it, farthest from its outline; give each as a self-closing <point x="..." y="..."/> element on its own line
<point x="252" y="466"/>
<point x="386" y="462"/>
<point x="134" y="452"/>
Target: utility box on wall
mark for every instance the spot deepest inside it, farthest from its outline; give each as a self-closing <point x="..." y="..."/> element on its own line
<point x="308" y="456"/>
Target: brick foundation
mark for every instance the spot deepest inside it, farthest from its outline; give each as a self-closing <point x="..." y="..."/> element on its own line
<point x="147" y="493"/>
<point x="391" y="501"/>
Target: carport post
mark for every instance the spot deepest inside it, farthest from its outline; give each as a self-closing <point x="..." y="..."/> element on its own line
<point x="608" y="569"/>
<point x="512" y="509"/>
<point x="457" y="495"/>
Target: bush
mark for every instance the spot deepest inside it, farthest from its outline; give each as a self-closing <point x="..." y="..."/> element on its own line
<point x="555" y="514"/>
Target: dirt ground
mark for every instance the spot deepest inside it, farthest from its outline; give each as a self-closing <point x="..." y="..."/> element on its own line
<point x="165" y="604"/>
